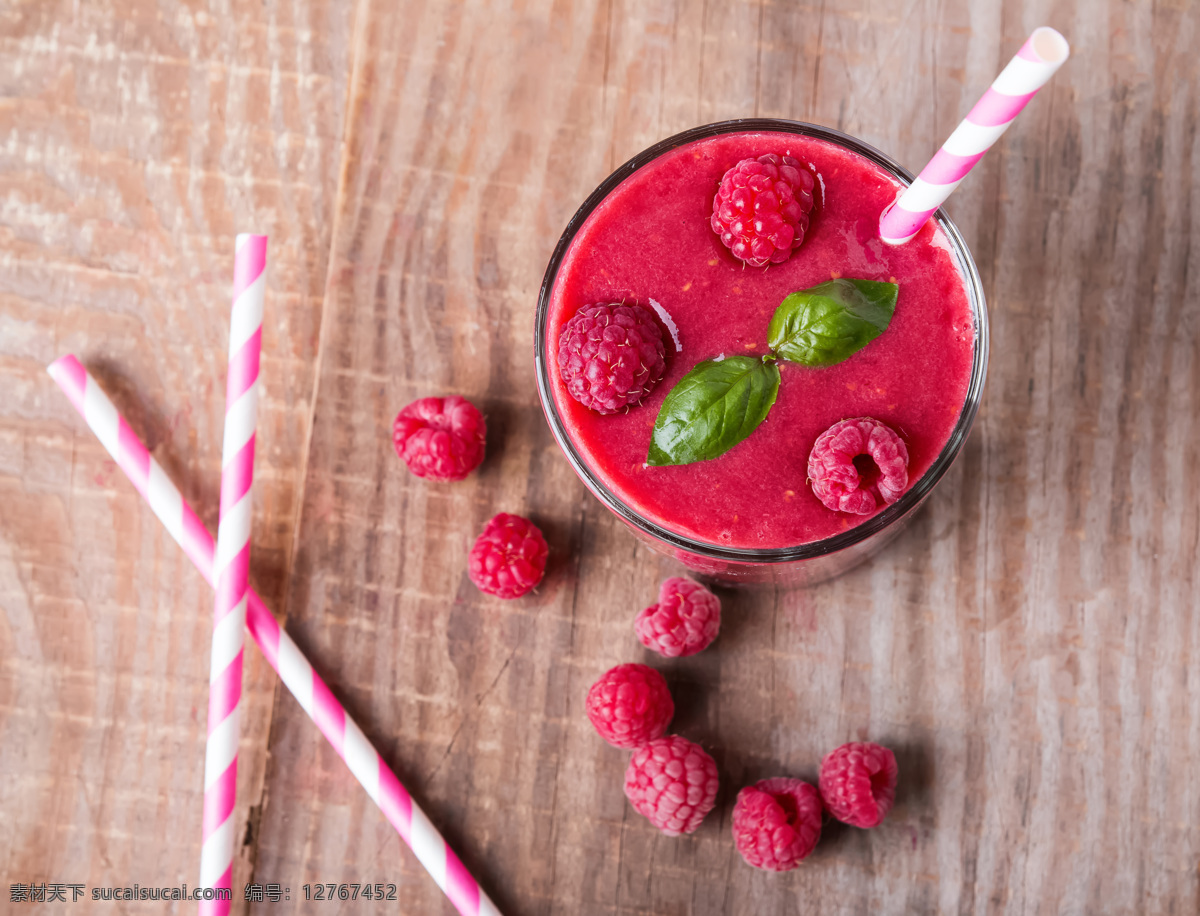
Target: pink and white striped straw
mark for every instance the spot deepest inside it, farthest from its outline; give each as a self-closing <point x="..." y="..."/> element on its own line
<point x="281" y="653"/>
<point x="1041" y="55"/>
<point x="232" y="569"/>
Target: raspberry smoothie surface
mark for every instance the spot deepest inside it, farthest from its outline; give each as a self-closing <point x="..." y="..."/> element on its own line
<point x="651" y="239"/>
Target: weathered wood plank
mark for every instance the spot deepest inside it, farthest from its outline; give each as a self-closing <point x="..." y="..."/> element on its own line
<point x="139" y="138"/>
<point x="1027" y="646"/>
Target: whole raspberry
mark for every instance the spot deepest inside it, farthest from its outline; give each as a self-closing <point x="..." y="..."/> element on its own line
<point x="440" y="438"/>
<point x="857" y="463"/>
<point x="776" y="823"/>
<point x="684" y="621"/>
<point x="761" y="209"/>
<point x="509" y="558"/>
<point x="611" y="356"/>
<point x="630" y="705"/>
<point x="858" y="783"/>
<point x="673" y="782"/>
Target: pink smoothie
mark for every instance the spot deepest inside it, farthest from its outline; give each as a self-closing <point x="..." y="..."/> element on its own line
<point x="650" y="239"/>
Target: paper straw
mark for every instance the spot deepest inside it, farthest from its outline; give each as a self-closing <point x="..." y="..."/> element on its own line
<point x="281" y="653"/>
<point x="232" y="569"/>
<point x="1041" y="55"/>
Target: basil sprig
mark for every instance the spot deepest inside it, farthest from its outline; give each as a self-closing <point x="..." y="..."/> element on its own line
<point x="829" y="323"/>
<point x="713" y="408"/>
<point x="721" y="402"/>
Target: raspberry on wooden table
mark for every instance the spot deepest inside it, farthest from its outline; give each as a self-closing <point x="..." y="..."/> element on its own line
<point x="857" y="464"/>
<point x="673" y="783"/>
<point x="761" y="209"/>
<point x="630" y="705"/>
<point x="440" y="438"/>
<point x="684" y="622"/>
<point x="776" y="823"/>
<point x="858" y="783"/>
<point x="509" y="557"/>
<point x="611" y="356"/>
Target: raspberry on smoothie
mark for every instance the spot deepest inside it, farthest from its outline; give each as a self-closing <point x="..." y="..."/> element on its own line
<point x="857" y="464"/>
<point x="611" y="356"/>
<point x="761" y="209"/>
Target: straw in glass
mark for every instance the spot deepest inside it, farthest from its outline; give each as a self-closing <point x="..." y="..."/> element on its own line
<point x="1041" y="55"/>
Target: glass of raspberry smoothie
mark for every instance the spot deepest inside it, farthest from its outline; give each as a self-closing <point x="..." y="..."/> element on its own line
<point x="820" y="458"/>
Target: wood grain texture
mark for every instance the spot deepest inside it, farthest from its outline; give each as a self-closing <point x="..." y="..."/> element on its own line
<point x="1027" y="649"/>
<point x="139" y="138"/>
<point x="1031" y="647"/>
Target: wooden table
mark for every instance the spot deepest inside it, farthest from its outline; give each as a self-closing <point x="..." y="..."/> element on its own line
<point x="1031" y="648"/>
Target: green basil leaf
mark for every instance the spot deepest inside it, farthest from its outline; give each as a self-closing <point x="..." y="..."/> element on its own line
<point x="712" y="409"/>
<point x="831" y="322"/>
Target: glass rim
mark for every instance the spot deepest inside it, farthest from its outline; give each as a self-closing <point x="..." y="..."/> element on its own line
<point x="910" y="499"/>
